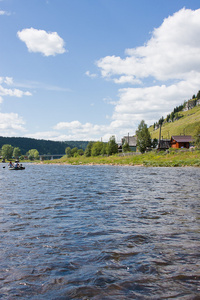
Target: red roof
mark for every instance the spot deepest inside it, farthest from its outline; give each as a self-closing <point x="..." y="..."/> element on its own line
<point x="182" y="138"/>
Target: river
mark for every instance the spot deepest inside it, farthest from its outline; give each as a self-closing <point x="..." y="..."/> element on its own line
<point x="99" y="232"/>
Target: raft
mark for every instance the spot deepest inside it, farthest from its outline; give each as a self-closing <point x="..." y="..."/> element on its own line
<point x="16" y="168"/>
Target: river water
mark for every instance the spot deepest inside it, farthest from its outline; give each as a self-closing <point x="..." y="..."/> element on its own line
<point x="99" y="232"/>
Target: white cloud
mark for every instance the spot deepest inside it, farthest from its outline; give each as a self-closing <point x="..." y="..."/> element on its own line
<point x="11" y="124"/>
<point x="11" y="92"/>
<point x="169" y="64"/>
<point x="171" y="53"/>
<point x="91" y="75"/>
<point x="3" y="12"/>
<point x="127" y="79"/>
<point x="166" y="71"/>
<point x="8" y="80"/>
<point x="47" y="43"/>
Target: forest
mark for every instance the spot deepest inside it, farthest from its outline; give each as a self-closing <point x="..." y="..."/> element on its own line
<point x="42" y="146"/>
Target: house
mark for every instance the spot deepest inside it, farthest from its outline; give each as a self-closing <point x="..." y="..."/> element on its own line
<point x="181" y="141"/>
<point x="164" y="144"/>
<point x="131" y="140"/>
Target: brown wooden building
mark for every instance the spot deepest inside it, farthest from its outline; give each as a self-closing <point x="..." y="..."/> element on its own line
<point x="181" y="141"/>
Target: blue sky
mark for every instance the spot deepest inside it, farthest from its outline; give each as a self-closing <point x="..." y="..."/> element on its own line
<point x="89" y="69"/>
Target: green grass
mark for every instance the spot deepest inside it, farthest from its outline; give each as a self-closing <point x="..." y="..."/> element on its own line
<point x="174" y="158"/>
<point x="187" y="125"/>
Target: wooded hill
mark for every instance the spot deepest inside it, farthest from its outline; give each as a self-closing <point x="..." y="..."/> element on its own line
<point x="187" y="124"/>
<point x="43" y="146"/>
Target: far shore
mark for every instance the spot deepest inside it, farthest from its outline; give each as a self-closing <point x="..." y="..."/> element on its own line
<point x="181" y="158"/>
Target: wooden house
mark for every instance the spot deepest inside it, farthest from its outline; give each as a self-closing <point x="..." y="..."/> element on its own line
<point x="181" y="141"/>
<point x="131" y="140"/>
<point x="164" y="144"/>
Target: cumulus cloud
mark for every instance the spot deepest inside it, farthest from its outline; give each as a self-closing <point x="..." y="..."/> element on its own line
<point x="75" y="130"/>
<point x="10" y="123"/>
<point x="171" y="53"/>
<point x="166" y="71"/>
<point x="47" y="43"/>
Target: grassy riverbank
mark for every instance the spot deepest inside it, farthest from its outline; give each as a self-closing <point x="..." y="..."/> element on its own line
<point x="174" y="158"/>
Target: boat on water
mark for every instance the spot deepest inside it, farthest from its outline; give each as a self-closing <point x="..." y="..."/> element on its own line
<point x="16" y="168"/>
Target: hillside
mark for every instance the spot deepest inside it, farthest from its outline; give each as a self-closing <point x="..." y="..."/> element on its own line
<point x="43" y="146"/>
<point x="186" y="125"/>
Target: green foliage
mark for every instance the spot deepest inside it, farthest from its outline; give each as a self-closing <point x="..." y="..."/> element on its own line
<point x="111" y="147"/>
<point x="16" y="152"/>
<point x="43" y="146"/>
<point x="33" y="154"/>
<point x="125" y="147"/>
<point x="103" y="150"/>
<point x="154" y="143"/>
<point x="149" y="159"/>
<point x="97" y="148"/>
<point x="80" y="152"/>
<point x="68" y="152"/>
<point x="187" y="124"/>
<point x="7" y="151"/>
<point x="88" y="149"/>
<point x="74" y="151"/>
<point x="197" y="137"/>
<point x="143" y="137"/>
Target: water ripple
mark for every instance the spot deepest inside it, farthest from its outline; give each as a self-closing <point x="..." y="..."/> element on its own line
<point x="99" y="232"/>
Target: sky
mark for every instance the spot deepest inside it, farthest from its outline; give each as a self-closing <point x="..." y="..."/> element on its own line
<point x="90" y="69"/>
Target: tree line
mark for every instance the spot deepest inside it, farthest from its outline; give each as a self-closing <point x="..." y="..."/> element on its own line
<point x="43" y="146"/>
<point x="174" y="115"/>
<point x="94" y="149"/>
<point x="9" y="152"/>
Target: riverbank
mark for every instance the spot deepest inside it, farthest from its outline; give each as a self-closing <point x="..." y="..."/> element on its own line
<point x="173" y="158"/>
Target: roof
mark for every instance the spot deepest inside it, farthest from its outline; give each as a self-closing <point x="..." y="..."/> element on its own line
<point x="132" y="140"/>
<point x="164" y="144"/>
<point x="182" y="138"/>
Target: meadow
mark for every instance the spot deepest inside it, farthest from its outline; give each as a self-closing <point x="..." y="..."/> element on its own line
<point x="171" y="158"/>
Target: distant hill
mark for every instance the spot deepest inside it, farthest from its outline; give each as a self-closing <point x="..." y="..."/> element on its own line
<point x="43" y="146"/>
<point x="186" y="123"/>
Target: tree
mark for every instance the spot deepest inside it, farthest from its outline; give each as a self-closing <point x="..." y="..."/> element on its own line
<point x="68" y="152"/>
<point x="87" y="152"/>
<point x="33" y="154"/>
<point x="74" y="151"/>
<point x="103" y="150"/>
<point x="7" y="151"/>
<point x="16" y="152"/>
<point x="154" y="143"/>
<point x="172" y="116"/>
<point x="80" y="152"/>
<point x="126" y="147"/>
<point x="111" y="147"/>
<point x="198" y="95"/>
<point x="96" y="148"/>
<point x="143" y="137"/>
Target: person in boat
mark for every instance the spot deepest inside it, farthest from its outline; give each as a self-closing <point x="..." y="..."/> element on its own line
<point x="16" y="165"/>
<point x="10" y="164"/>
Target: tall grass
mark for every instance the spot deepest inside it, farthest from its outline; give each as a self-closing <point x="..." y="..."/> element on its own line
<point x="151" y="159"/>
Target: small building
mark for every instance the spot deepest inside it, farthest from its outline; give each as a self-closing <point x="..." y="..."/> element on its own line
<point x="131" y="140"/>
<point x="181" y="141"/>
<point x="164" y="144"/>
